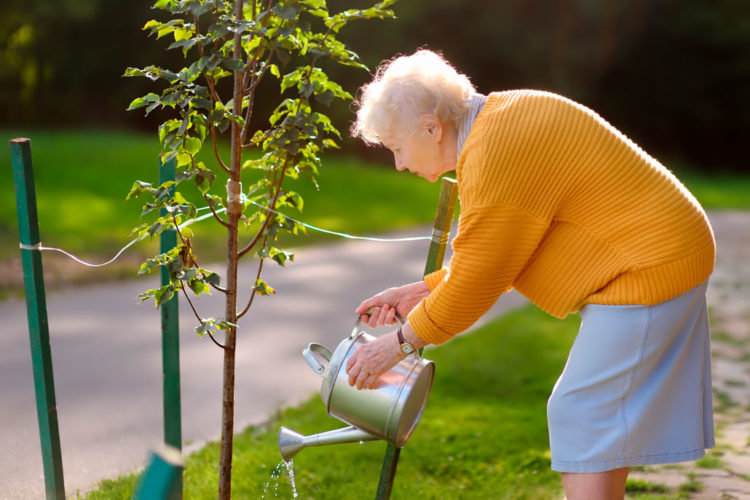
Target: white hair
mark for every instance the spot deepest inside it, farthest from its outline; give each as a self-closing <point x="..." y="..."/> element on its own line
<point x="405" y="88"/>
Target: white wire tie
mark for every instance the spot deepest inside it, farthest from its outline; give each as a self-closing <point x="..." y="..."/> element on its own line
<point x="439" y="236"/>
<point x="24" y="246"/>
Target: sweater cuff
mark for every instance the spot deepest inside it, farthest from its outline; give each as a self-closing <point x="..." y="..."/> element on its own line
<point x="433" y="279"/>
<point x="425" y="328"/>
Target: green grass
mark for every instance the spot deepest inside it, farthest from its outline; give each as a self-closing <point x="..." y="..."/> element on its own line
<point x="709" y="462"/>
<point x="718" y="191"/>
<point x="641" y="486"/>
<point x="83" y="176"/>
<point x="483" y="434"/>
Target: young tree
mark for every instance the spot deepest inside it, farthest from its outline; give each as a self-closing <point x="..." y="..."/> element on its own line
<point x="244" y="41"/>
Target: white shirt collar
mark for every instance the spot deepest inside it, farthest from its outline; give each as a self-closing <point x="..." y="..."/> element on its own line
<point x="476" y="103"/>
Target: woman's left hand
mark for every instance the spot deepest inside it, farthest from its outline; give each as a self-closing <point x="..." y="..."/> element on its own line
<point x="372" y="360"/>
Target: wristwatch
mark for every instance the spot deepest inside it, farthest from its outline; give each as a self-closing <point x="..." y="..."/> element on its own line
<point x="405" y="346"/>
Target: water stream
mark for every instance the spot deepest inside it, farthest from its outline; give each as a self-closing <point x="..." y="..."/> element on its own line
<point x="275" y="479"/>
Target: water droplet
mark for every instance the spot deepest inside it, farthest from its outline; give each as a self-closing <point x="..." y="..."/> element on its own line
<point x="275" y="475"/>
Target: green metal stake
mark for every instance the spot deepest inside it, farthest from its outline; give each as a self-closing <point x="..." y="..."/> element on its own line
<point x="170" y="339"/>
<point x="440" y="234"/>
<point x="36" y="307"/>
<point x="163" y="477"/>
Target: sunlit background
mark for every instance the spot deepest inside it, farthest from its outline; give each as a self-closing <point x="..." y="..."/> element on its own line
<point x="671" y="74"/>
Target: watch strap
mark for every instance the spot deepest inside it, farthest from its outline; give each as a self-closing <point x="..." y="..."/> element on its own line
<point x="400" y="335"/>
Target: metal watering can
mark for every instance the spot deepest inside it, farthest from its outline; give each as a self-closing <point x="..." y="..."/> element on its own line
<point x="390" y="411"/>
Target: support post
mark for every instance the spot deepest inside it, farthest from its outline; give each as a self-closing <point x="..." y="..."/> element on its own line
<point x="163" y="477"/>
<point x="435" y="255"/>
<point x="170" y="338"/>
<point x="36" y="307"/>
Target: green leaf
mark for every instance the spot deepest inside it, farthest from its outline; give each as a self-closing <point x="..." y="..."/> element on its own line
<point x="207" y="326"/>
<point x="148" y="266"/>
<point x="143" y="101"/>
<point x="183" y="159"/>
<point x="192" y="145"/>
<point x="204" y="179"/>
<point x="155" y="229"/>
<point x="151" y="24"/>
<point x="213" y="279"/>
<point x="281" y="256"/>
<point x="198" y="287"/>
<point x="163" y="4"/>
<point x="262" y="288"/>
<point x="139" y="187"/>
<point x="233" y="64"/>
<point x="283" y="56"/>
<point x="185" y="45"/>
<point x="164" y="294"/>
<point x="285" y="11"/>
<point x="325" y="98"/>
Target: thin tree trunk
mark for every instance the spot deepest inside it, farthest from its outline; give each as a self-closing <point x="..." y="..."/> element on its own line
<point x="234" y="210"/>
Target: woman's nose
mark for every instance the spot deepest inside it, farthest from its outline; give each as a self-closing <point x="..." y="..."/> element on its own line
<point x="399" y="164"/>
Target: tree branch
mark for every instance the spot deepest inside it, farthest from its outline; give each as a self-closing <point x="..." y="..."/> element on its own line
<point x="187" y="297"/>
<point x="250" y="92"/>
<point x="252" y="294"/>
<point x="216" y="216"/>
<point x="216" y="150"/>
<point x="214" y="99"/>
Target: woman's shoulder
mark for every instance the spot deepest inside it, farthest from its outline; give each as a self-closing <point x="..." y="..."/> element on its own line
<point x="508" y="99"/>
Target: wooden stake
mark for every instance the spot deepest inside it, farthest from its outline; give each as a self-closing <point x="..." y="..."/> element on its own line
<point x="435" y="255"/>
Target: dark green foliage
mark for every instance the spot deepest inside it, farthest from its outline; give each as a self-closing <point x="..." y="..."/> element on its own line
<point x="672" y="74"/>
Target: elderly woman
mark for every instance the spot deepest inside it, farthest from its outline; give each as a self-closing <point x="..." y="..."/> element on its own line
<point x="561" y="206"/>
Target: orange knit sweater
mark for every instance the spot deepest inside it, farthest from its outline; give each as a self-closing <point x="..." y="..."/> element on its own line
<point x="558" y="204"/>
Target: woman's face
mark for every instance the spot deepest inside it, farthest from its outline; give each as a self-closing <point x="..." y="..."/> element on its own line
<point x="429" y="151"/>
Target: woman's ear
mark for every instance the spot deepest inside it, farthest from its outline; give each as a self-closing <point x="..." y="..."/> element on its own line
<point x="431" y="126"/>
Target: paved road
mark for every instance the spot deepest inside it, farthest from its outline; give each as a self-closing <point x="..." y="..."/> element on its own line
<point x="107" y="361"/>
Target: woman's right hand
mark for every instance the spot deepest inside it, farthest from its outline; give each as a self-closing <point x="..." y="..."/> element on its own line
<point x="392" y="302"/>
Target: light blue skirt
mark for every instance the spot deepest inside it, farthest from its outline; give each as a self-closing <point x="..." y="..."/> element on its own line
<point x="636" y="389"/>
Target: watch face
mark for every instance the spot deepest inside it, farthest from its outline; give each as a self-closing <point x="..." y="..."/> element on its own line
<point x="407" y="348"/>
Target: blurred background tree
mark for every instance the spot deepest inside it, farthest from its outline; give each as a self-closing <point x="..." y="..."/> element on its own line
<point x="672" y="74"/>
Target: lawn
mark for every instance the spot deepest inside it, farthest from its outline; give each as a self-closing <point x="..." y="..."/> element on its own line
<point x="83" y="176"/>
<point x="483" y="434"/>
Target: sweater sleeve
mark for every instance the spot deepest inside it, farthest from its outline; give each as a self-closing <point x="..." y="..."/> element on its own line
<point x="493" y="245"/>
<point x="433" y="279"/>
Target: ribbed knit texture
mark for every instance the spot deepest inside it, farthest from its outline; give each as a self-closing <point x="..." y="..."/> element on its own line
<point x="558" y="204"/>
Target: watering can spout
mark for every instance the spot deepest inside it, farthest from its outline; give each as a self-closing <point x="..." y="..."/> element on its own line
<point x="291" y="442"/>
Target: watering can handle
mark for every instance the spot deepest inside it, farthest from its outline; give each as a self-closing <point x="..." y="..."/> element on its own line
<point x="355" y="330"/>
<point x="310" y="353"/>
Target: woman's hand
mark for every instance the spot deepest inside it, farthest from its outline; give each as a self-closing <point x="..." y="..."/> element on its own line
<point x="372" y="360"/>
<point x="389" y="303"/>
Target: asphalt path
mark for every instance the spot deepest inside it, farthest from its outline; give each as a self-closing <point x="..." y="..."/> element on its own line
<point x="106" y="351"/>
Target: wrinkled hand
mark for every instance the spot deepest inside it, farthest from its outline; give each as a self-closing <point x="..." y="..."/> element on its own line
<point x="372" y="360"/>
<point x="389" y="303"/>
